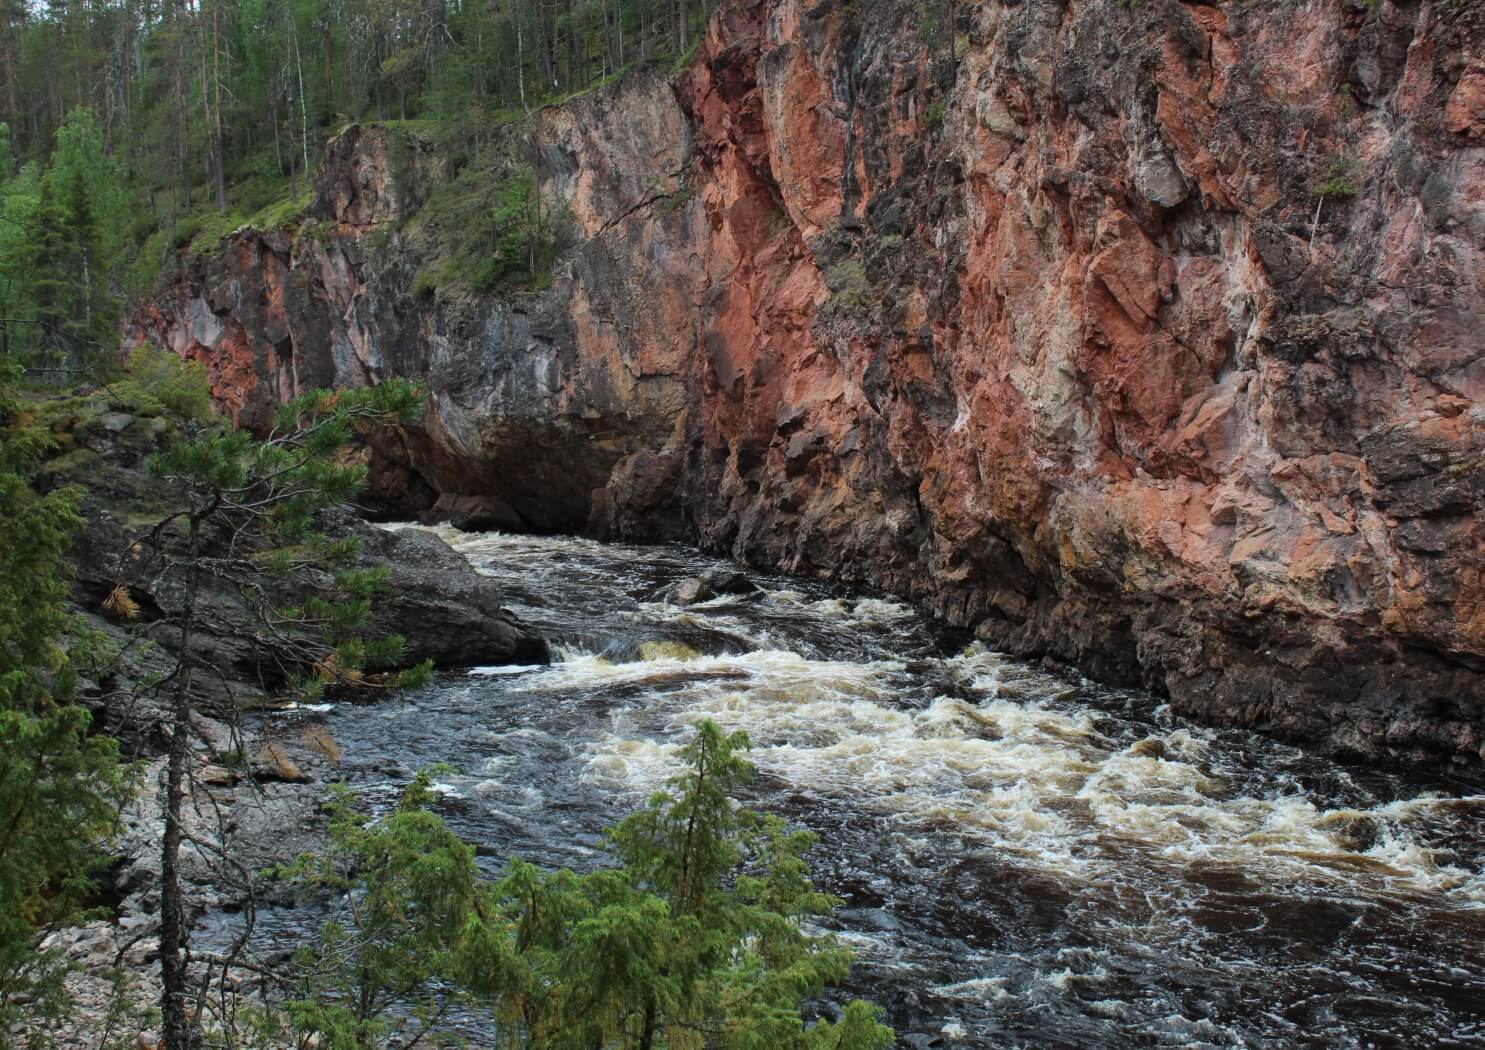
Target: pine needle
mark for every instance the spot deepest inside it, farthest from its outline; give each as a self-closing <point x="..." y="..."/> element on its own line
<point x="119" y="603"/>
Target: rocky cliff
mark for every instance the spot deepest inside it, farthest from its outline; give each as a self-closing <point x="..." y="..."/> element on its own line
<point x="1146" y="335"/>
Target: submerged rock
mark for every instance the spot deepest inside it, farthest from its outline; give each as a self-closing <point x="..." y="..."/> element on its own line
<point x="728" y="581"/>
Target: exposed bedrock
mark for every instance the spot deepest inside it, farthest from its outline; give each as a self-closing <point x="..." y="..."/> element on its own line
<point x="1150" y="338"/>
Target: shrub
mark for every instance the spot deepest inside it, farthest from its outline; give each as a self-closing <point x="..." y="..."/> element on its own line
<point x="427" y="280"/>
<point x="186" y="229"/>
<point x="850" y="290"/>
<point x="1338" y="179"/>
<point x="158" y="381"/>
<point x="933" y="119"/>
<point x="489" y="227"/>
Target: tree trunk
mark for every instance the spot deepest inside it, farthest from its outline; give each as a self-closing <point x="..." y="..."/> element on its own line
<point x="618" y="35"/>
<point x="7" y="60"/>
<point x="572" y="47"/>
<point x="289" y="130"/>
<point x="327" y="49"/>
<point x="210" y="103"/>
<point x="278" y="152"/>
<point x="549" y="45"/>
<point x="182" y="124"/>
<point x="379" y="81"/>
<point x="303" y="102"/>
<point x="521" y="65"/>
<point x="175" y="1027"/>
<point x="647" y="1037"/>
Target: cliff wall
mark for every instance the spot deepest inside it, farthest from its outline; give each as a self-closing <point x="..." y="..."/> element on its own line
<point x="1146" y="336"/>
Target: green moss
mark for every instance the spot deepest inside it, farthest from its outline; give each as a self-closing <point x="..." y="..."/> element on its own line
<point x="378" y="239"/>
<point x="933" y="119"/>
<point x="426" y="281"/>
<point x="280" y="212"/>
<point x="413" y="124"/>
<point x="261" y="200"/>
<point x="1472" y="465"/>
<point x="72" y="468"/>
<point x="685" y="58"/>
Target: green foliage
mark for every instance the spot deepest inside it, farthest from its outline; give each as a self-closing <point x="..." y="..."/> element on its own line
<point x="934" y="28"/>
<point x="158" y="381"/>
<point x="408" y="883"/>
<point x="697" y="940"/>
<point x="676" y="201"/>
<point x="254" y="87"/>
<point x="933" y="117"/>
<point x="489" y="230"/>
<point x="273" y="492"/>
<point x="427" y="280"/>
<point x="1337" y="179"/>
<point x="64" y="230"/>
<point x="60" y="785"/>
<point x="278" y="487"/>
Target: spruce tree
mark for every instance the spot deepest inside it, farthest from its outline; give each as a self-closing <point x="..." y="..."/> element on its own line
<point x="696" y="940"/>
<point x="62" y="272"/>
<point x="60" y="785"/>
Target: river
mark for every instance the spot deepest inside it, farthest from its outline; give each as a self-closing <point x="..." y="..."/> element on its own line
<point x="1027" y="859"/>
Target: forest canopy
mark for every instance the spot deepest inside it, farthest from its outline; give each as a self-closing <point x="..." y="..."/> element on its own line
<point x="134" y="127"/>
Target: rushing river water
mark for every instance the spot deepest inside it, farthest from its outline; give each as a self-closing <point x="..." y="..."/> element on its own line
<point x="1026" y="859"/>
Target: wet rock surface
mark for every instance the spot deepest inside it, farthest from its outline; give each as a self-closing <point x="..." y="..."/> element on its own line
<point x="1144" y="338"/>
<point x="709" y="585"/>
<point x="447" y="612"/>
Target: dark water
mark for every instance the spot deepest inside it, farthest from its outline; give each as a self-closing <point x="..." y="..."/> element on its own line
<point x="1027" y="860"/>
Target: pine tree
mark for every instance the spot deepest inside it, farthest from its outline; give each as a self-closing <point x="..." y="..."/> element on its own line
<point x="248" y="512"/>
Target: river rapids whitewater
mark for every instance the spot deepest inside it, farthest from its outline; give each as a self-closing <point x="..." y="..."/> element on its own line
<point x="1027" y="859"/>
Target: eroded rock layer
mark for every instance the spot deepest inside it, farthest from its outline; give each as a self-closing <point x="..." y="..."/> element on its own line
<point x="1146" y="336"/>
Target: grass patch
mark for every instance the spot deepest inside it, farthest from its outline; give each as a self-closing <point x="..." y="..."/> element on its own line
<point x="675" y="201"/>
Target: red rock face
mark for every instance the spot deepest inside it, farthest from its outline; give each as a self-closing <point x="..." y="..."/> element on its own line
<point x="1149" y="339"/>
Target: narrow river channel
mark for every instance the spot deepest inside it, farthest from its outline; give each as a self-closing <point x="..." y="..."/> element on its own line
<point x="1027" y="860"/>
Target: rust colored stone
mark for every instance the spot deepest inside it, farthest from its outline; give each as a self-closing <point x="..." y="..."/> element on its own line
<point x="1061" y="340"/>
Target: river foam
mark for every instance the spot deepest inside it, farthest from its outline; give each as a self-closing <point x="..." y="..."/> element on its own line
<point x="1026" y="859"/>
